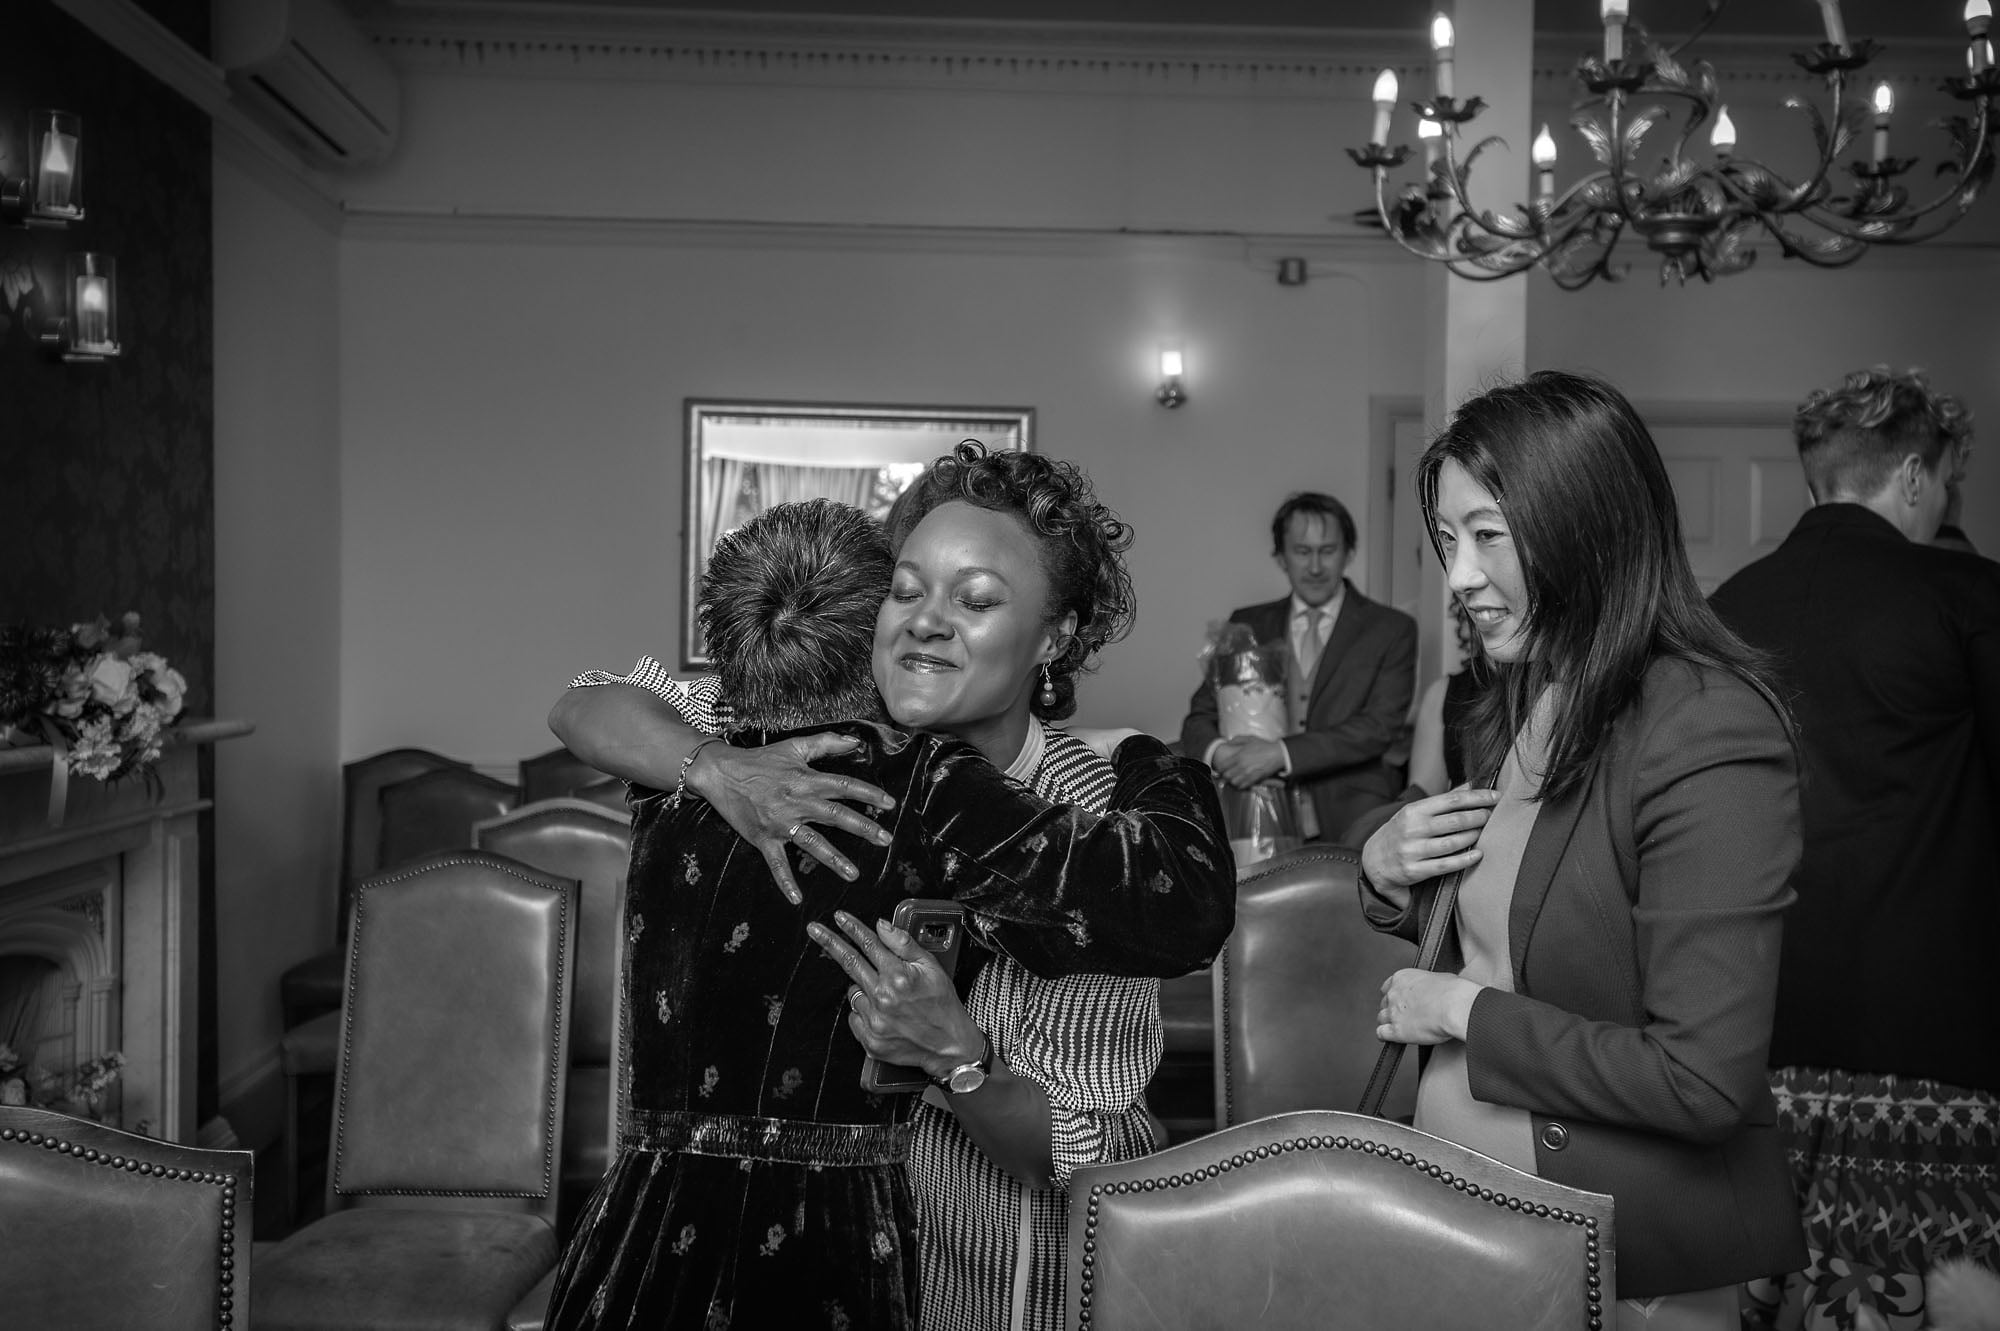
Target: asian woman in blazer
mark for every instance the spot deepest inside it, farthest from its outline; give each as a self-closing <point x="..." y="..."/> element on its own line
<point x="1627" y="846"/>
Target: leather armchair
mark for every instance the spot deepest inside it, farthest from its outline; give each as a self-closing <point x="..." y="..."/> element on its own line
<point x="313" y="986"/>
<point x="431" y="812"/>
<point x="1297" y="989"/>
<point x="555" y="774"/>
<point x="1321" y="1218"/>
<point x="435" y="812"/>
<point x="449" y="1104"/>
<point x="571" y="838"/>
<point x="106" y="1230"/>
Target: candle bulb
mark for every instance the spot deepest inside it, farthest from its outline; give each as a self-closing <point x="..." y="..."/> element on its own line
<point x="93" y="312"/>
<point x="1614" y="30"/>
<point x="1442" y="39"/>
<point x="1430" y="132"/>
<point x="1885" y="103"/>
<point x="1836" y="32"/>
<point x="58" y="170"/>
<point x="1544" y="154"/>
<point x="1385" y="102"/>
<point x="1978" y="21"/>
<point x="1723" y="139"/>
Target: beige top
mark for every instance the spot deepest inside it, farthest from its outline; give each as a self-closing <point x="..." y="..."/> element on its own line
<point x="1445" y="1106"/>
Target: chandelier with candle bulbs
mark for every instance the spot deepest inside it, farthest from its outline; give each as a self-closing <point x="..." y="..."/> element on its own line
<point x="1703" y="210"/>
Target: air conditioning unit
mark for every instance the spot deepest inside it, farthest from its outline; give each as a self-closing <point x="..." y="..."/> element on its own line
<point x="308" y="69"/>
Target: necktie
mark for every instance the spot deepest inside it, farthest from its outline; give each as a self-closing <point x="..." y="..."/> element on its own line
<point x="1309" y="644"/>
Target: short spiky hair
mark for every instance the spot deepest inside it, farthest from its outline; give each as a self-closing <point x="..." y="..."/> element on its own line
<point x="1851" y="438"/>
<point x="788" y="607"/>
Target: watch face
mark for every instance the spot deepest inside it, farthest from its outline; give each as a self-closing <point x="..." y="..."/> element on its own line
<point x="969" y="1077"/>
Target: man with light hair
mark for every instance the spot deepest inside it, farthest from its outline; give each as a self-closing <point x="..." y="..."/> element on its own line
<point x="1885" y="1050"/>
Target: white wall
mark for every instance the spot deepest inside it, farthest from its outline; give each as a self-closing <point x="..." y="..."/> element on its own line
<point x="277" y="613"/>
<point x="512" y="488"/>
<point x="1773" y="334"/>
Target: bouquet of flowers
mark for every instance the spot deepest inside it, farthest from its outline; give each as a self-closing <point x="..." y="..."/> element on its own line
<point x="80" y="1094"/>
<point x="91" y="692"/>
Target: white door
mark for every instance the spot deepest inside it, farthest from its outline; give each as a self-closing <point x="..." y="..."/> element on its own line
<point x="1736" y="478"/>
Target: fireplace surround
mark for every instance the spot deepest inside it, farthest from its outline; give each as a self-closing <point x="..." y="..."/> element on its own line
<point x="109" y="899"/>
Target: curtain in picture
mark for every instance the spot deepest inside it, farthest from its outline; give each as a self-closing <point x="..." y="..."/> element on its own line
<point x="778" y="484"/>
<point x="721" y="491"/>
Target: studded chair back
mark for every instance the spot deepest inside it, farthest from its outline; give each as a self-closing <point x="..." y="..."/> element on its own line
<point x="552" y="775"/>
<point x="434" y="812"/>
<point x="1322" y="1218"/>
<point x="454" y="1040"/>
<point x="573" y="838"/>
<point x="102" y="1230"/>
<point x="361" y="810"/>
<point x="1297" y="989"/>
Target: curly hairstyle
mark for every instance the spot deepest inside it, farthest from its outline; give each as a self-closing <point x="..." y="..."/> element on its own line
<point x="788" y="607"/>
<point x="1082" y="543"/>
<point x="1851" y="438"/>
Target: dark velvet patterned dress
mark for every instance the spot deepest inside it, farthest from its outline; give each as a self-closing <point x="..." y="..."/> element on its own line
<point x="756" y="1184"/>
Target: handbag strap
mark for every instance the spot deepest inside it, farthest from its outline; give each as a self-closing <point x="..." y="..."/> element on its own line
<point x="1444" y="906"/>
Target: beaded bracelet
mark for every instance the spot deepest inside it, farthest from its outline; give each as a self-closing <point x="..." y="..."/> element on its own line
<point x="680" y="779"/>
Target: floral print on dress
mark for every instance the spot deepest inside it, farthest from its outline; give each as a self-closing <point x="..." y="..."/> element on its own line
<point x="663" y="1007"/>
<point x="836" y="1317"/>
<point x="789" y="1083"/>
<point x="690" y="869"/>
<point x="737" y="937"/>
<point x="774" y="1008"/>
<point x="1163" y="882"/>
<point x="774" y="1238"/>
<point x="636" y="928"/>
<point x="711" y="1076"/>
<point x="881" y="1246"/>
<point x="684" y="1240"/>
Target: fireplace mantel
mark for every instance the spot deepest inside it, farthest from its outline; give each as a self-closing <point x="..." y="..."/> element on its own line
<point x="126" y="859"/>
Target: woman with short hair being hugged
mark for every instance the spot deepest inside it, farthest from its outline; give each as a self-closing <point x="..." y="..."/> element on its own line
<point x="1626" y="850"/>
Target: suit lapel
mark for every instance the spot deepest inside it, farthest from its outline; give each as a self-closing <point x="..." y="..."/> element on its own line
<point x="1548" y="842"/>
<point x="1347" y="631"/>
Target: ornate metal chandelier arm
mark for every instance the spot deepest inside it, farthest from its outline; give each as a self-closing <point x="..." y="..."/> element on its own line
<point x="1899" y="227"/>
<point x="1839" y="252"/>
<point x="1434" y="240"/>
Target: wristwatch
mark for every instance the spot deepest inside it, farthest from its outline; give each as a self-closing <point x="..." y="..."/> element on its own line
<point x="968" y="1077"/>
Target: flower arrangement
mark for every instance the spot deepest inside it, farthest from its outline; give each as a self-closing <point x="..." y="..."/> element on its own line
<point x="81" y="1093"/>
<point x="91" y="692"/>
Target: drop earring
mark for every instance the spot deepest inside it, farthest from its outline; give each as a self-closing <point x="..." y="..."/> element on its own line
<point x="1047" y="697"/>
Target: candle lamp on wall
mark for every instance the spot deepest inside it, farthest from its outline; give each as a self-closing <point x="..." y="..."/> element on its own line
<point x="51" y="194"/>
<point x="89" y="332"/>
<point x="1170" y="392"/>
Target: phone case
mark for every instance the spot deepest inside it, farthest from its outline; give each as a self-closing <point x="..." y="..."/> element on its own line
<point x="939" y="929"/>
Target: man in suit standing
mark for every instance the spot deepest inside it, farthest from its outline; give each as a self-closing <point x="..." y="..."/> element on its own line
<point x="1886" y="1045"/>
<point x="1351" y="671"/>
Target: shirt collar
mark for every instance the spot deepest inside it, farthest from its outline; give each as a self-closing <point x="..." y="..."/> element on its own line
<point x="1331" y="608"/>
<point x="1029" y="760"/>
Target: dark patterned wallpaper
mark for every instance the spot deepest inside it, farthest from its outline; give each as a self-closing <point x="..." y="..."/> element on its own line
<point x="107" y="470"/>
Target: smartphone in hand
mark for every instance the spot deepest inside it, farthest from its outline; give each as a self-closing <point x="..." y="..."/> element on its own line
<point x="939" y="929"/>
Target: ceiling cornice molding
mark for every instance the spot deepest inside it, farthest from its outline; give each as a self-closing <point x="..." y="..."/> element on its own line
<point x="539" y="39"/>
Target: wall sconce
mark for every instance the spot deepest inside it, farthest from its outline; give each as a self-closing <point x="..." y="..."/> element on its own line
<point x="1170" y="393"/>
<point x="90" y="331"/>
<point x="51" y="194"/>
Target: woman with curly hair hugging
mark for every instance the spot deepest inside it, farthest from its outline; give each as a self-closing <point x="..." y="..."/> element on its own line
<point x="1009" y="577"/>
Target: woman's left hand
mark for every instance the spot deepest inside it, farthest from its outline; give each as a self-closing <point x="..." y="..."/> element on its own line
<point x="1425" y="1007"/>
<point x="902" y="1007"/>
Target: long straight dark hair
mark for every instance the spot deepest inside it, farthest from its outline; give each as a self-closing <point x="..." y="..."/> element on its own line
<point x="1592" y="514"/>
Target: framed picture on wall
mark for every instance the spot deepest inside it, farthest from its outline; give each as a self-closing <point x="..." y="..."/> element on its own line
<point x="744" y="457"/>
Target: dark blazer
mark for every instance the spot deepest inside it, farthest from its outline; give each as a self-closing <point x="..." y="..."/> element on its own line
<point x="1359" y="699"/>
<point x="1644" y="932"/>
<point x="1892" y="650"/>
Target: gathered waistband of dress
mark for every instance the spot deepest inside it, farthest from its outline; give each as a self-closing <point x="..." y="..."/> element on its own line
<point x="792" y="1140"/>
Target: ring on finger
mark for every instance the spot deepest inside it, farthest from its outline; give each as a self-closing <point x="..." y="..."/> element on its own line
<point x="792" y="832"/>
<point x="854" y="996"/>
